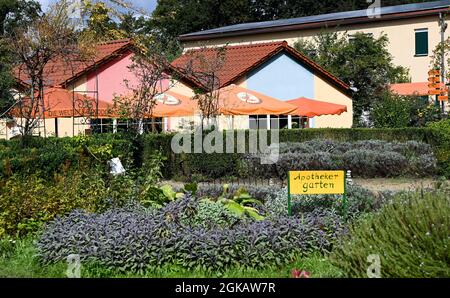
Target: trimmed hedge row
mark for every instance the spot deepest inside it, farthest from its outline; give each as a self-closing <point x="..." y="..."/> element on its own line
<point x="212" y="166"/>
<point x="48" y="156"/>
<point x="55" y="154"/>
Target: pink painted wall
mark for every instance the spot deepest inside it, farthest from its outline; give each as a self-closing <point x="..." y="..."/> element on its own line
<point x="111" y="76"/>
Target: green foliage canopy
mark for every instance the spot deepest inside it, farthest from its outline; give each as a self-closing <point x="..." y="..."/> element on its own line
<point x="359" y="60"/>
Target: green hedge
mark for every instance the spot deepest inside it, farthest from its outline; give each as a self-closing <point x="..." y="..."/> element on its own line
<point x="441" y="144"/>
<point x="54" y="154"/>
<point x="188" y="166"/>
<point x="359" y="134"/>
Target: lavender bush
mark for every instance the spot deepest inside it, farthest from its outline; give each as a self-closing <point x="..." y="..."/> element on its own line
<point x="372" y="158"/>
<point x="359" y="200"/>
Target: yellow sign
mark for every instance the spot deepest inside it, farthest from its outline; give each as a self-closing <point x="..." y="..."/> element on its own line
<point x="316" y="182"/>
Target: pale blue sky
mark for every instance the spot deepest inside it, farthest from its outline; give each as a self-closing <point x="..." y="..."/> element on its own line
<point x="149" y="5"/>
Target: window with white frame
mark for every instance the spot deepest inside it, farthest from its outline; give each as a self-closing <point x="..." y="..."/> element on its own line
<point x="258" y="121"/>
<point x="421" y="42"/>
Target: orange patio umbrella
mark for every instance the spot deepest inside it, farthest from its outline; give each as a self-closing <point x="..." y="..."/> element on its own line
<point x="61" y="103"/>
<point x="419" y="88"/>
<point x="236" y="100"/>
<point x="311" y="108"/>
<point x="171" y="104"/>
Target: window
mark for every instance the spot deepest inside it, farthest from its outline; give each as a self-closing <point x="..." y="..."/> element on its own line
<point x="125" y="125"/>
<point x="422" y="42"/>
<point x="352" y="37"/>
<point x="300" y="122"/>
<point x="258" y="121"/>
<point x="279" y="122"/>
<point x="101" y="125"/>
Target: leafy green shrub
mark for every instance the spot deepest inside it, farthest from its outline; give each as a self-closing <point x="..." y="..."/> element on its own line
<point x="7" y="247"/>
<point x="441" y="132"/>
<point x="261" y="193"/>
<point x="396" y="111"/>
<point x="410" y="235"/>
<point x="28" y="202"/>
<point x="240" y="203"/>
<point x="212" y="215"/>
<point x="52" y="155"/>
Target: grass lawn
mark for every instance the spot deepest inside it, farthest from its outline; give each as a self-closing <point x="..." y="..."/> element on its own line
<point x="22" y="261"/>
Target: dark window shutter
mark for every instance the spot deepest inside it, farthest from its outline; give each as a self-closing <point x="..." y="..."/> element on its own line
<point x="421" y="43"/>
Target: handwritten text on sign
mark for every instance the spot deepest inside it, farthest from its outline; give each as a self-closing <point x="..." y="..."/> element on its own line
<point x="316" y="182"/>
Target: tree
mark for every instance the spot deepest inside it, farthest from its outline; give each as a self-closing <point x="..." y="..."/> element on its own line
<point x="396" y="111"/>
<point x="151" y="70"/>
<point x="6" y="79"/>
<point x="175" y="17"/>
<point x="440" y="60"/>
<point x="264" y="10"/>
<point x="100" y="21"/>
<point x="132" y="25"/>
<point x="361" y="61"/>
<point x="115" y="19"/>
<point x="203" y="65"/>
<point x="49" y="37"/>
<point x="13" y="13"/>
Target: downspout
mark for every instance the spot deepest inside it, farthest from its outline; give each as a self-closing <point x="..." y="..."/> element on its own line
<point x="443" y="26"/>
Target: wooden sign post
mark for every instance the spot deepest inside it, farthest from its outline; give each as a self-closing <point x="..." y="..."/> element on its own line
<point x="316" y="183"/>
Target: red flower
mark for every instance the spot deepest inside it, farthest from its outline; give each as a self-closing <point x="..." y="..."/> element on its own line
<point x="295" y="273"/>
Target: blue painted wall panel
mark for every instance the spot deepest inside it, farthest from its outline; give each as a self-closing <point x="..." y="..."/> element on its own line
<point x="283" y="78"/>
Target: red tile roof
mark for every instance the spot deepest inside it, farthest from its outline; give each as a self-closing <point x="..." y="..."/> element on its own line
<point x="419" y="88"/>
<point x="62" y="70"/>
<point x="241" y="59"/>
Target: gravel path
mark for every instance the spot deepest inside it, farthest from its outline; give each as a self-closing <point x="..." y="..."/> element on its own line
<point x="374" y="184"/>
